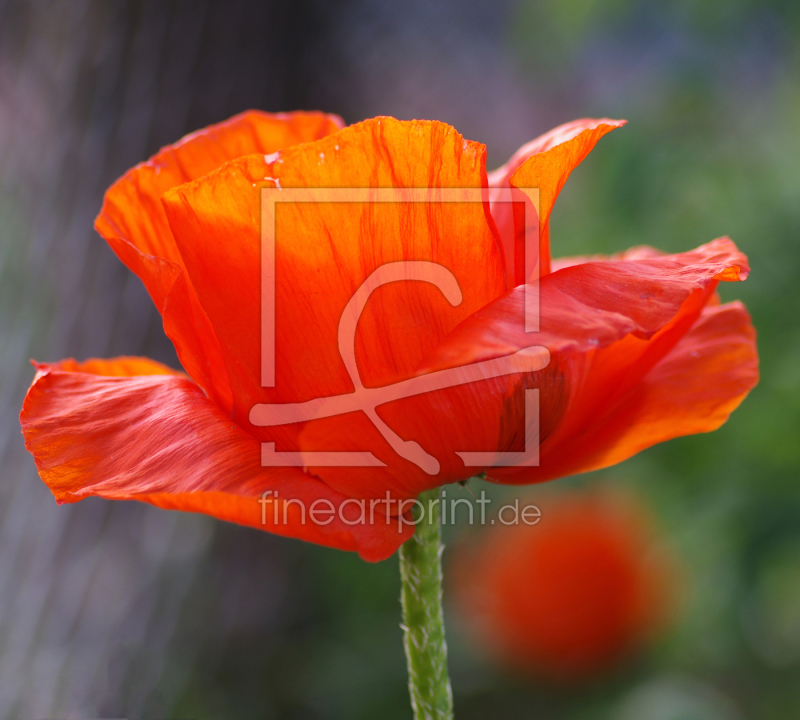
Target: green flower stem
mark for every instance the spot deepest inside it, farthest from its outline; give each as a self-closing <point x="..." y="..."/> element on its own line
<point x="423" y="621"/>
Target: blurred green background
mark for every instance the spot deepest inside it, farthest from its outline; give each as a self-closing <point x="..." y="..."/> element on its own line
<point x="134" y="612"/>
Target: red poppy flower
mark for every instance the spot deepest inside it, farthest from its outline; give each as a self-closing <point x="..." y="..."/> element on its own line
<point x="638" y="354"/>
<point x="571" y="596"/>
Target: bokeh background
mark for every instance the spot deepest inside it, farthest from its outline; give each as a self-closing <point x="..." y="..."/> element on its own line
<point x="126" y="611"/>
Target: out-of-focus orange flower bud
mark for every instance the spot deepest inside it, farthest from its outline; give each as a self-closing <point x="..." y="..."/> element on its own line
<point x="570" y="597"/>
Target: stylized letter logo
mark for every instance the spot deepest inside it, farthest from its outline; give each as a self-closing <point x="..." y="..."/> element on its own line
<point x="365" y="399"/>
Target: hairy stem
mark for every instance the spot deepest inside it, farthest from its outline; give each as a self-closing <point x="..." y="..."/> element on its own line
<point x="423" y="621"/>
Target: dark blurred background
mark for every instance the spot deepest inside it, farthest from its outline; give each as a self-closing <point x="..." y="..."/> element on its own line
<point x="121" y="610"/>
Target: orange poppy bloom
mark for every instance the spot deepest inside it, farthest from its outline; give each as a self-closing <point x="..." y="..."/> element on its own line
<point x="638" y="352"/>
<point x="571" y="596"/>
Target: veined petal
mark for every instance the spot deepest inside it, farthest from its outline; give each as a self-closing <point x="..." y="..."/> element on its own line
<point x="132" y="208"/>
<point x="543" y="163"/>
<point x="153" y="436"/>
<point x="593" y="304"/>
<point x="132" y="220"/>
<point x="326" y="250"/>
<point x="693" y="389"/>
<point x="606" y="325"/>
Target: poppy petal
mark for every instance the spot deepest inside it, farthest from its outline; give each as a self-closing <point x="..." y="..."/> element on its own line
<point x="95" y="430"/>
<point x="543" y="163"/>
<point x="693" y="389"/>
<point x="132" y="221"/>
<point x="605" y="324"/>
<point x="593" y="304"/>
<point x="326" y="251"/>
